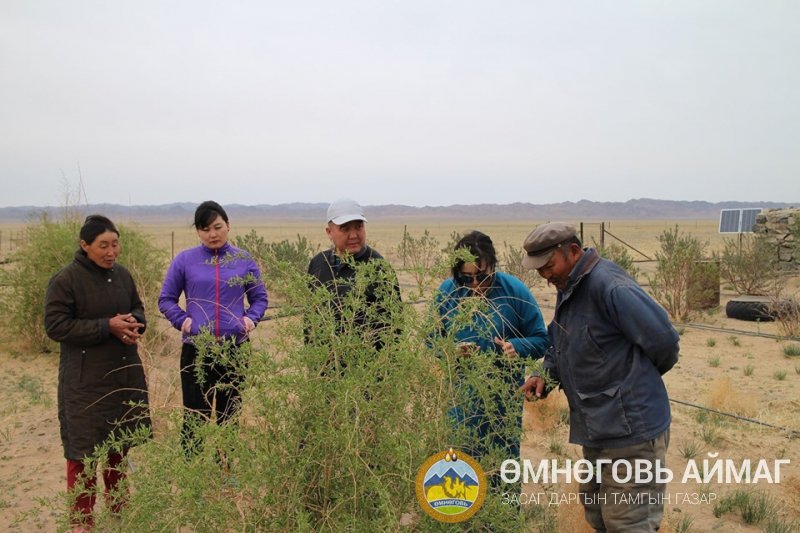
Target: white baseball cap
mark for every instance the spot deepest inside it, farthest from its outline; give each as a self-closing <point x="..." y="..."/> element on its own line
<point x="345" y="210"/>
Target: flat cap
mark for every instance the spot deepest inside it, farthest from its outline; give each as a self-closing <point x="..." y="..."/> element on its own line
<point x="543" y="241"/>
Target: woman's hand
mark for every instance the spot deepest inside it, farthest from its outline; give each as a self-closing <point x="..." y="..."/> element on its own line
<point x="186" y="327"/>
<point x="507" y="347"/>
<point x="249" y="325"/>
<point x="125" y="328"/>
<point x="467" y="349"/>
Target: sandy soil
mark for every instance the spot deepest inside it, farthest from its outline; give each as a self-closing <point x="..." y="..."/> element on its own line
<point x="712" y="371"/>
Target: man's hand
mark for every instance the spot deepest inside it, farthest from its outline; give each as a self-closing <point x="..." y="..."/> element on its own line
<point x="533" y="388"/>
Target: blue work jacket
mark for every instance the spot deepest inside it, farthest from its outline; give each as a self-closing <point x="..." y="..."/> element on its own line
<point x="611" y="345"/>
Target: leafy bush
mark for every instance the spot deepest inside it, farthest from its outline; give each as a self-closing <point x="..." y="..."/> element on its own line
<point x="618" y="254"/>
<point x="50" y="246"/>
<point x="332" y="430"/>
<point x="422" y="257"/>
<point x="450" y="245"/>
<point x="751" y="268"/>
<point x="278" y="261"/>
<point x="678" y="272"/>
<point x="511" y="258"/>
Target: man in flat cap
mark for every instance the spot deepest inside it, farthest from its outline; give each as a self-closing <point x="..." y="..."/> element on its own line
<point x="611" y="343"/>
<point x="335" y="270"/>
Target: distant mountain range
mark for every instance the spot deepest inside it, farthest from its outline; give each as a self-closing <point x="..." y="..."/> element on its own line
<point x="638" y="209"/>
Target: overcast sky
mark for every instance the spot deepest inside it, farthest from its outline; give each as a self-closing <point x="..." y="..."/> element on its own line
<point x="414" y="102"/>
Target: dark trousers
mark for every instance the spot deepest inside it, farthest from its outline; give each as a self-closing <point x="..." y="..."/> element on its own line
<point x="216" y="398"/>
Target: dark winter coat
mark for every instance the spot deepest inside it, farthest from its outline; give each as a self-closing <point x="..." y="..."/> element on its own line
<point x="329" y="271"/>
<point x="101" y="382"/>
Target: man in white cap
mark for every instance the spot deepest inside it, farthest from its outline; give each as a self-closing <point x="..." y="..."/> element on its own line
<point x="335" y="270"/>
<point x="611" y="343"/>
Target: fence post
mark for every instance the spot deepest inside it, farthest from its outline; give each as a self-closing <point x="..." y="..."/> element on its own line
<point x="602" y="235"/>
<point x="405" y="233"/>
<point x="582" y="241"/>
<point x="172" y="245"/>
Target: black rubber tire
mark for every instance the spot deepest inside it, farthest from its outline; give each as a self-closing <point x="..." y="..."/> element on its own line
<point x="752" y="308"/>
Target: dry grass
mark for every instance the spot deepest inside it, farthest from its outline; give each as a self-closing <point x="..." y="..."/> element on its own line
<point x="791" y="487"/>
<point x="724" y="397"/>
<point x="544" y="416"/>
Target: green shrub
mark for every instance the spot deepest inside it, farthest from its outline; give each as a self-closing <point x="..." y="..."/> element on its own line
<point x="709" y="435"/>
<point x="278" y="261"/>
<point x="678" y="273"/>
<point x="688" y="449"/>
<point x="684" y="524"/>
<point x="422" y="257"/>
<point x="618" y="254"/>
<point x="791" y="350"/>
<point x="450" y="245"/>
<point x="751" y="268"/>
<point x="332" y="431"/>
<point x="753" y="506"/>
<point x="511" y="259"/>
<point x="50" y="246"/>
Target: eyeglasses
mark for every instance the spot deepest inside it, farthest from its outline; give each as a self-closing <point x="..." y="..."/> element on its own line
<point x="468" y="279"/>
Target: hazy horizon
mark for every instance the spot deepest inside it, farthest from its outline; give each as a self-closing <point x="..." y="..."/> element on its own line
<point x="749" y="202"/>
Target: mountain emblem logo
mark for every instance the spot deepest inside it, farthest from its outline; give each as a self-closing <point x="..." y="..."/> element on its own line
<point x="450" y="486"/>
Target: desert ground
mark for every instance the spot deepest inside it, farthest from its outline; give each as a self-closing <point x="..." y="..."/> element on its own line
<point x="728" y="365"/>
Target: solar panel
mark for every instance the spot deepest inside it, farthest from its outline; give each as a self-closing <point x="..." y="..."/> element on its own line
<point x="729" y="220"/>
<point x="738" y="220"/>
<point x="749" y="220"/>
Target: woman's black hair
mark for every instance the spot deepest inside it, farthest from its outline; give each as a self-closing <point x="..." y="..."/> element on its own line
<point x="95" y="225"/>
<point x="207" y="212"/>
<point x="481" y="246"/>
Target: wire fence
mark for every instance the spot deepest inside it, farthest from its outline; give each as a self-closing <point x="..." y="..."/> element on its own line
<point x="11" y="241"/>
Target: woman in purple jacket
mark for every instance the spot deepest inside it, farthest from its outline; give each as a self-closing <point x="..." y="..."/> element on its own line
<point x="216" y="279"/>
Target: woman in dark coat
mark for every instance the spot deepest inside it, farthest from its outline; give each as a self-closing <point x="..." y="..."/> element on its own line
<point x="93" y="309"/>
